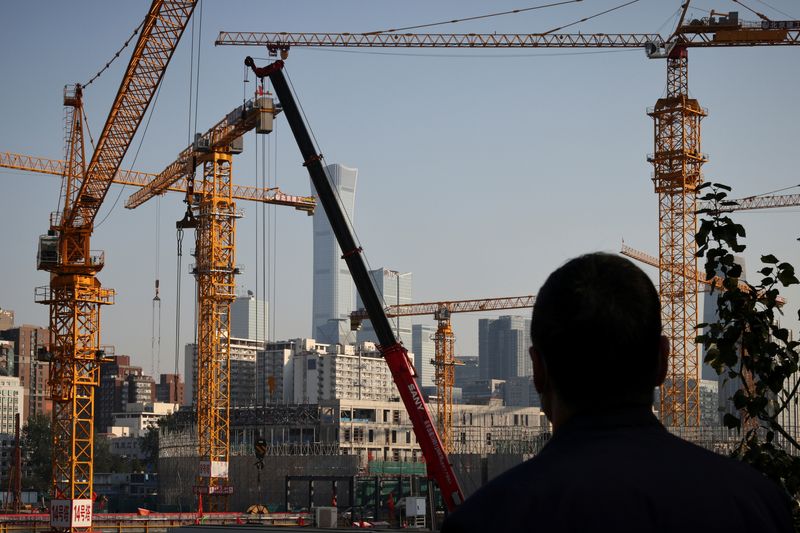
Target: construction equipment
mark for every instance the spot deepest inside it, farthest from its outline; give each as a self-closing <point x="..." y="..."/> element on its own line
<point x="394" y="353"/>
<point x="212" y="212"/>
<point x="135" y="178"/>
<point x="677" y="158"/>
<point x="444" y="341"/>
<point x="75" y="294"/>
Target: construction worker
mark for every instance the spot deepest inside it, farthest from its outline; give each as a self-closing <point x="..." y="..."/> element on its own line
<point x="598" y="353"/>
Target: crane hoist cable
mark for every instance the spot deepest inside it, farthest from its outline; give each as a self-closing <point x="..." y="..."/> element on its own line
<point x="477" y="17"/>
<point x="155" y="311"/>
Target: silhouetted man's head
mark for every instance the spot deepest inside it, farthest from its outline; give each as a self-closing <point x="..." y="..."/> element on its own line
<point x="596" y="332"/>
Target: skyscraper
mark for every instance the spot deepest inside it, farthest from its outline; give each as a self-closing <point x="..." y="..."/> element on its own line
<point x="503" y="347"/>
<point x="424" y="349"/>
<point x="394" y="288"/>
<point x="249" y="318"/>
<point x="333" y="286"/>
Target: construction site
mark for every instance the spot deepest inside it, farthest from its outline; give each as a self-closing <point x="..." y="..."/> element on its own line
<point x="307" y="219"/>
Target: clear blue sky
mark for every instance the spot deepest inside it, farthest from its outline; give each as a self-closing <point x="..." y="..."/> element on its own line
<point x="480" y="171"/>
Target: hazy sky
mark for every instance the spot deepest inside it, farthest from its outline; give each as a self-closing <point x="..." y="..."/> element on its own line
<point x="480" y="171"/>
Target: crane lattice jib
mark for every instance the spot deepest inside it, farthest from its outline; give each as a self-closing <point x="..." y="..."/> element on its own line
<point x="159" y="36"/>
<point x="697" y="37"/>
<point x="455" y="306"/>
<point x="57" y="167"/>
<point x="761" y="202"/>
<point x="238" y="122"/>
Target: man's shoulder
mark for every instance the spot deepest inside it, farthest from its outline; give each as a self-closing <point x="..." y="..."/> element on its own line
<point x="641" y="471"/>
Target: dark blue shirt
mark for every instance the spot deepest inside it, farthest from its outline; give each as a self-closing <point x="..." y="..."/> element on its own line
<point x="624" y="472"/>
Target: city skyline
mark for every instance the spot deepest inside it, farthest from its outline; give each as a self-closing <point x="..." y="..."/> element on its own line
<point x="448" y="196"/>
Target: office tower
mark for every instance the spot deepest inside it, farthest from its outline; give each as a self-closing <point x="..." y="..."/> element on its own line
<point x="424" y="349"/>
<point x="394" y="288"/>
<point x="249" y="318"/>
<point x="503" y="347"/>
<point x="333" y="286"/>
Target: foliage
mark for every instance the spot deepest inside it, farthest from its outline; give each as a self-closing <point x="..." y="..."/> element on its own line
<point x="36" y="445"/>
<point x="748" y="344"/>
<point x="149" y="444"/>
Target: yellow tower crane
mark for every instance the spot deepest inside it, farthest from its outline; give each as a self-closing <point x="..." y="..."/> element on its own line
<point x="444" y="340"/>
<point x="74" y="294"/>
<point x="212" y="213"/>
<point x="677" y="158"/>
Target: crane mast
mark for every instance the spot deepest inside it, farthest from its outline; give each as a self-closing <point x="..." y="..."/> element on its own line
<point x="75" y="294"/>
<point x="394" y="353"/>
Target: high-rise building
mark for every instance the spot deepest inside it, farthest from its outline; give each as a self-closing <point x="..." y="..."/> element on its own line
<point x="303" y="371"/>
<point x="7" y="358"/>
<point x="503" y="347"/>
<point x="394" y="288"/>
<point x="169" y="389"/>
<point x="424" y="349"/>
<point x="467" y="372"/>
<point x="114" y="391"/>
<point x="242" y="372"/>
<point x="333" y="286"/>
<point x="249" y="318"/>
<point x="30" y="343"/>
<point x="11" y="396"/>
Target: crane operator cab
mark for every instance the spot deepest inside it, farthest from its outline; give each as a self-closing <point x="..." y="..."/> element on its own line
<point x="47" y="255"/>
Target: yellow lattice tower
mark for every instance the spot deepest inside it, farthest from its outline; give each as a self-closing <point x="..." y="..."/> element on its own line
<point x="215" y="270"/>
<point x="444" y="363"/>
<point x="677" y="163"/>
<point x="74" y="296"/>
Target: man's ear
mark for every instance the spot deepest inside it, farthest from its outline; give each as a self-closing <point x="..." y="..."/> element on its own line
<point x="663" y="360"/>
<point x="539" y="370"/>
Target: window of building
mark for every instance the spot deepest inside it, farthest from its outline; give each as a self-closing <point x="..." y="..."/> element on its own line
<point x="408" y="437"/>
<point x="488" y="439"/>
<point x="463" y="437"/>
<point x="394" y="436"/>
<point x="371" y="435"/>
<point x="347" y="435"/>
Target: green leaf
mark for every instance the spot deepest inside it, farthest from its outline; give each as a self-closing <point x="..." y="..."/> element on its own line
<point x="769" y="259"/>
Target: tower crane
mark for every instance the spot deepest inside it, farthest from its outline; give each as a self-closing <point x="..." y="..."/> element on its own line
<point x="74" y="294"/>
<point x="211" y="212"/>
<point x="444" y="341"/>
<point x="677" y="158"/>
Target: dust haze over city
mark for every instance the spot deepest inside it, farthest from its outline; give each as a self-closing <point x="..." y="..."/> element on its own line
<point x="479" y="171"/>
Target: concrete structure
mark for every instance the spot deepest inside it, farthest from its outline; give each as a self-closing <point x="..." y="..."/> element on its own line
<point x="709" y="403"/>
<point x="139" y="389"/>
<point x="424" y="349"/>
<point x="249" y="318"/>
<point x="30" y="346"/>
<point x="484" y="391"/>
<point x="333" y="286"/>
<point x="467" y="372"/>
<point x="243" y="372"/>
<point x="503" y="347"/>
<point x="394" y="288"/>
<point x="138" y="417"/>
<point x="12" y="394"/>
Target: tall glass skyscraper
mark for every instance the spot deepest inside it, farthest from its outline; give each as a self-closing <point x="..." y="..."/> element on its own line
<point x="333" y="286"/>
<point x="394" y="288"/>
<point x="503" y="347"/>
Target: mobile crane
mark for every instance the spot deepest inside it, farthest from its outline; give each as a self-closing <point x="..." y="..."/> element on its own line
<point x="396" y="356"/>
